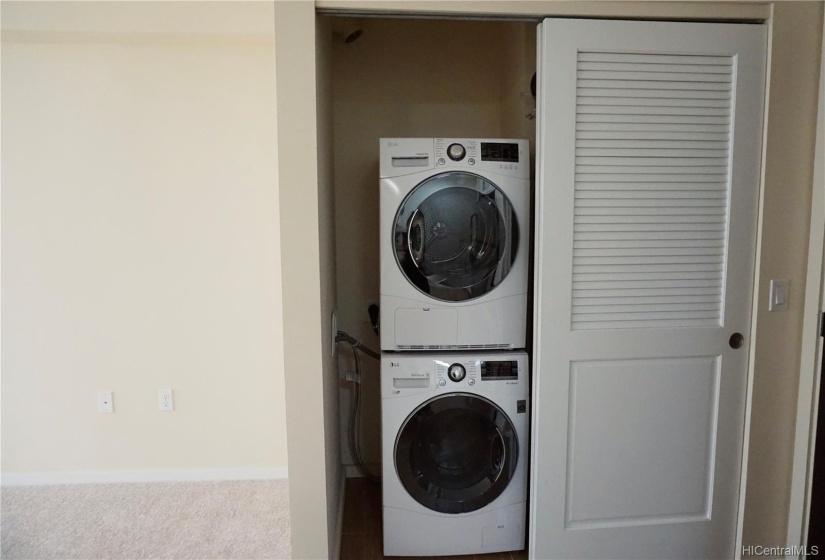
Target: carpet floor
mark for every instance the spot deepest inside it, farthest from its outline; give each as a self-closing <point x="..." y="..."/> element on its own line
<point x="203" y="520"/>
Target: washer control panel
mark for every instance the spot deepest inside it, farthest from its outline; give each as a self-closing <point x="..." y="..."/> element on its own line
<point x="456" y="372"/>
<point x="406" y="375"/>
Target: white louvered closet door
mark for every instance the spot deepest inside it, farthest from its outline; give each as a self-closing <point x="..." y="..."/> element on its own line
<point x="647" y="192"/>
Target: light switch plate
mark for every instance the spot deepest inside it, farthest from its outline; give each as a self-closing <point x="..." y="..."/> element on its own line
<point x="779" y="295"/>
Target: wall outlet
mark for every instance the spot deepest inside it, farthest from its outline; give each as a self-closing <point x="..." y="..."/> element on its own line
<point x="104" y="402"/>
<point x="165" y="401"/>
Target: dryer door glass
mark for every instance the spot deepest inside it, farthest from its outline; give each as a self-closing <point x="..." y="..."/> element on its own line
<point x="456" y="236"/>
<point x="456" y="453"/>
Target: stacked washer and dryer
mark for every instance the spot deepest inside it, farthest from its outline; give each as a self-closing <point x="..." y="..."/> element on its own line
<point x="454" y="374"/>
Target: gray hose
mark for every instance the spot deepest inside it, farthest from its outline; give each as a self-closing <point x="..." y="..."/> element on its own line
<point x="355" y="343"/>
<point x="354" y="427"/>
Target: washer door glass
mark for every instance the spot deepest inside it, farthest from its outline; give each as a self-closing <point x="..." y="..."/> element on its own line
<point x="456" y="236"/>
<point x="456" y="453"/>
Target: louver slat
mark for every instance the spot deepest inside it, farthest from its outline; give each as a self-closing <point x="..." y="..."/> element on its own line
<point x="653" y="140"/>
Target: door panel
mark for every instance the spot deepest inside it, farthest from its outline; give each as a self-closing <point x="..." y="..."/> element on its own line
<point x="648" y="181"/>
<point x="614" y="420"/>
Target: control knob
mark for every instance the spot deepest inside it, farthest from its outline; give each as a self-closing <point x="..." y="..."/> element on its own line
<point x="456" y="152"/>
<point x="456" y="372"/>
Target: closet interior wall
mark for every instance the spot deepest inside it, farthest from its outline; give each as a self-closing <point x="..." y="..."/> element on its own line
<point x="409" y="78"/>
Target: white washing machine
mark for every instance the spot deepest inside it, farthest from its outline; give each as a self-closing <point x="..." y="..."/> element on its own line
<point x="455" y="243"/>
<point x="455" y="433"/>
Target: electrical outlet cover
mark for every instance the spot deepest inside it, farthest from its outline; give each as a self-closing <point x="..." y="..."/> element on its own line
<point x="105" y="403"/>
<point x="165" y="401"/>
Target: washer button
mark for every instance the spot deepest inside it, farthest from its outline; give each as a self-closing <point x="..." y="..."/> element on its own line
<point x="442" y="382"/>
<point x="472" y="382"/>
<point x="441" y="161"/>
<point x="471" y="161"/>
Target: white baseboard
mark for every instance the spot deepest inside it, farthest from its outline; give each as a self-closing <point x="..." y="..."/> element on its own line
<point x="168" y="475"/>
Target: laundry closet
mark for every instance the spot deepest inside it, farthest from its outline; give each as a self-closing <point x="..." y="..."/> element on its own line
<point x="410" y="78"/>
<point x="642" y="257"/>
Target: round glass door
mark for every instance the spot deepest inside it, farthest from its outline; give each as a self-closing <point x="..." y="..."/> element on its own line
<point x="456" y="236"/>
<point x="456" y="453"/>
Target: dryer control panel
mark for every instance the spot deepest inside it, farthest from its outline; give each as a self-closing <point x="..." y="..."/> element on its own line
<point x="403" y="156"/>
<point x="507" y="157"/>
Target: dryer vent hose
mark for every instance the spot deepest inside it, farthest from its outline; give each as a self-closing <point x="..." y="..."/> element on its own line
<point x="354" y="427"/>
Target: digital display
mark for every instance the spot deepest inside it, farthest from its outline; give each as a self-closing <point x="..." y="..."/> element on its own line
<point x="494" y="151"/>
<point x="499" y="370"/>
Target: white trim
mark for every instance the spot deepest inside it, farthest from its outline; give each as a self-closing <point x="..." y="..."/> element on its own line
<point x="757" y="272"/>
<point x="166" y="475"/>
<point x="807" y="401"/>
<point x="539" y="9"/>
<point x="538" y="266"/>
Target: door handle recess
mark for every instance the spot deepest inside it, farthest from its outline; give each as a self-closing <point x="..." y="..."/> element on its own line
<point x="736" y="340"/>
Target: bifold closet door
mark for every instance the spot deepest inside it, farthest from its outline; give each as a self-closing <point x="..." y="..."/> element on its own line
<point x="648" y="179"/>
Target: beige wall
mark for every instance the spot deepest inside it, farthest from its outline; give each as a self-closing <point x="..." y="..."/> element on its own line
<point x="797" y="35"/>
<point x="396" y="81"/>
<point x="140" y="238"/>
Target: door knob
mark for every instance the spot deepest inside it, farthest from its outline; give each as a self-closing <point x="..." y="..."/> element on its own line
<point x="736" y="340"/>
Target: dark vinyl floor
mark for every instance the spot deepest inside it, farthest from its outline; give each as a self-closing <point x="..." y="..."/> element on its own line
<point x="362" y="533"/>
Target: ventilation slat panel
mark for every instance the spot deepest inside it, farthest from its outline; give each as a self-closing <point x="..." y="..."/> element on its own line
<point x="621" y="101"/>
<point x="654" y="67"/>
<point x="681" y="156"/>
<point x="630" y="111"/>
<point x="627" y="204"/>
<point x="657" y="144"/>
<point x="648" y="252"/>
<point x="670" y="131"/>
<point x="654" y="77"/>
<point x="648" y="188"/>
<point x="644" y="244"/>
<point x="628" y="293"/>
<point x="661" y="94"/>
<point x="652" y="196"/>
<point x="677" y="60"/>
<point x="667" y="118"/>
<point x="659" y="177"/>
<point x="646" y="85"/>
<point x="652" y="167"/>
<point x="653" y="230"/>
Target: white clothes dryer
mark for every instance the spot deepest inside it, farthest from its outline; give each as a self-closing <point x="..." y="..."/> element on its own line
<point x="454" y="433"/>
<point x="455" y="243"/>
